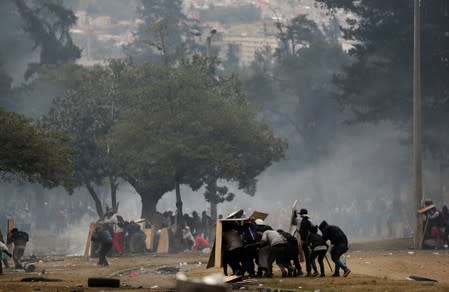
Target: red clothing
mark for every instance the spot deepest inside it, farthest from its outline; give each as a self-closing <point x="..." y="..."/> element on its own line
<point x="117" y="242"/>
<point x="200" y="243"/>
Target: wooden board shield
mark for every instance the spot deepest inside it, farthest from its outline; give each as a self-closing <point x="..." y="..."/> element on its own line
<point x="425" y="209"/>
<point x="149" y="238"/>
<point x="215" y="255"/>
<point x="162" y="246"/>
<point x="89" y="240"/>
<point x="259" y="215"/>
<point x="236" y="214"/>
<point x="10" y="226"/>
<point x="215" y="259"/>
<point x="292" y="231"/>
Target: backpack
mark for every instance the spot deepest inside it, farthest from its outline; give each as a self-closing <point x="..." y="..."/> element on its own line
<point x="286" y="235"/>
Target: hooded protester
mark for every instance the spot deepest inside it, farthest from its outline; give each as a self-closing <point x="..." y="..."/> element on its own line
<point x="305" y="228"/>
<point x="103" y="237"/>
<point x="318" y="248"/>
<point x="339" y="243"/>
<point x="20" y="239"/>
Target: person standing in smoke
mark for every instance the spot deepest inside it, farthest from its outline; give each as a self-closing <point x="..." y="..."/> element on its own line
<point x="103" y="237"/>
<point x="19" y="239"/>
<point x="305" y="228"/>
<point x="339" y="243"/>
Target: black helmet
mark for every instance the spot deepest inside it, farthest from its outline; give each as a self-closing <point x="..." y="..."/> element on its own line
<point x="428" y="202"/>
<point x="302" y="212"/>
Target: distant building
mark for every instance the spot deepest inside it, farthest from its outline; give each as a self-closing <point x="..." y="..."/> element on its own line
<point x="247" y="45"/>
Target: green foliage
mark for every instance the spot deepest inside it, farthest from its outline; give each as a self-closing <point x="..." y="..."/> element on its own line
<point x="32" y="153"/>
<point x="5" y="83"/>
<point x="183" y="125"/>
<point x="378" y="85"/>
<point x="169" y="126"/>
<point x="35" y="98"/>
<point x="48" y="23"/>
<point x="294" y="86"/>
<point x="85" y="113"/>
<point x="164" y="37"/>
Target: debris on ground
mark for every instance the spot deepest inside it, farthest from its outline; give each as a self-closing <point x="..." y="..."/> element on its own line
<point x="39" y="279"/>
<point x="168" y="270"/>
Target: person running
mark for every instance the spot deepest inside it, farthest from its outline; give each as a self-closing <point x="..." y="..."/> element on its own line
<point x="103" y="237"/>
<point x="19" y="239"/>
<point x="339" y="243"/>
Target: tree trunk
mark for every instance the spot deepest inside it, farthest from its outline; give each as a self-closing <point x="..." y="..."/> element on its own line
<point x="213" y="210"/>
<point x="148" y="204"/>
<point x="114" y="186"/>
<point x="179" y="213"/>
<point x="97" y="201"/>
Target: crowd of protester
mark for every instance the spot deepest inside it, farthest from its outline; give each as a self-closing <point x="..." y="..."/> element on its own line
<point x="435" y="225"/>
<point x="250" y="242"/>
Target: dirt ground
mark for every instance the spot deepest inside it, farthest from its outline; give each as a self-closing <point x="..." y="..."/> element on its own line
<point x="376" y="266"/>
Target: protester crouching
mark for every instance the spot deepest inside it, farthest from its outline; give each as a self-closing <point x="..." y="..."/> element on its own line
<point x="339" y="243"/>
<point x="277" y="251"/>
<point x="249" y="237"/>
<point x="292" y="253"/>
<point x="232" y="248"/>
<point x="318" y="249"/>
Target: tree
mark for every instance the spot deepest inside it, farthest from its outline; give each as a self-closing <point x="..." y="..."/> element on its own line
<point x="183" y="126"/>
<point x="48" y="24"/>
<point x="231" y="64"/>
<point x="164" y="35"/>
<point x="377" y="86"/>
<point x="29" y="152"/>
<point x="86" y="113"/>
<point x="294" y="86"/>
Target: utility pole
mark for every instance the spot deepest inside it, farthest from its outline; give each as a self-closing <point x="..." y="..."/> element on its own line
<point x="417" y="143"/>
<point x="209" y="43"/>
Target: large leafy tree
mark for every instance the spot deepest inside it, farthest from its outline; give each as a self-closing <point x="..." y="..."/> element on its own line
<point x="294" y="85"/>
<point x="377" y="86"/>
<point x="47" y="23"/>
<point x="85" y="113"/>
<point x="183" y="126"/>
<point x="31" y="153"/>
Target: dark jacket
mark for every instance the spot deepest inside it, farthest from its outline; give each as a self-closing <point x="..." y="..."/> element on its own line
<point x="334" y="234"/>
<point x="316" y="240"/>
<point x="19" y="238"/>
<point x="249" y="233"/>
<point x="102" y="235"/>
<point x="305" y="228"/>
